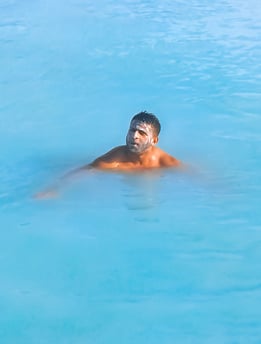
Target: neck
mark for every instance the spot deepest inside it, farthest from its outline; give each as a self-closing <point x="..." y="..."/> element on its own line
<point x="139" y="157"/>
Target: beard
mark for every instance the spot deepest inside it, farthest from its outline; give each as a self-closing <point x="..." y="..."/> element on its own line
<point x="137" y="148"/>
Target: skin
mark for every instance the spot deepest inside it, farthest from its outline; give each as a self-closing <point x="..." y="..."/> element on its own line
<point x="140" y="151"/>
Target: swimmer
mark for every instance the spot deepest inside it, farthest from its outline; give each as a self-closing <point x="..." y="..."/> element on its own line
<point x="140" y="151"/>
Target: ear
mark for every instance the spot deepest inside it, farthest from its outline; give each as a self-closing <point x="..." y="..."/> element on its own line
<point x="155" y="140"/>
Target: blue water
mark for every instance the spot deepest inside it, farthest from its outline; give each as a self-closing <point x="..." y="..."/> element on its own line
<point x="161" y="257"/>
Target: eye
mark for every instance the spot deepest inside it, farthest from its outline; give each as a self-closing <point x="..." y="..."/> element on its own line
<point x="142" y="133"/>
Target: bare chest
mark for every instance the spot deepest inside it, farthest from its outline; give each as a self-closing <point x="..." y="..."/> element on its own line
<point x="151" y="162"/>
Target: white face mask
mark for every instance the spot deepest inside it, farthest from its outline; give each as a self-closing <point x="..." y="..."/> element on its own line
<point x="140" y="137"/>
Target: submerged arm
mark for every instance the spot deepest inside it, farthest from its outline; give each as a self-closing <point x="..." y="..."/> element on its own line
<point x="53" y="190"/>
<point x="106" y="161"/>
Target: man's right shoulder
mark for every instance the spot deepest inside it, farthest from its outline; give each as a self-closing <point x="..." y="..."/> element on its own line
<point x="114" y="152"/>
<point x="109" y="159"/>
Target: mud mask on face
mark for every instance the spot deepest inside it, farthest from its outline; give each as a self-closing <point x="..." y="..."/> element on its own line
<point x="140" y="137"/>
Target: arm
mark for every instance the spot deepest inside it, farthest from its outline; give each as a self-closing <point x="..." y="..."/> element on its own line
<point x="53" y="190"/>
<point x="106" y="161"/>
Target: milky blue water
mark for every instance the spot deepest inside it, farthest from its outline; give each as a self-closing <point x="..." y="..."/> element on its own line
<point x="160" y="257"/>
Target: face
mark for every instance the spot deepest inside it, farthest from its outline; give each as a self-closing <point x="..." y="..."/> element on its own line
<point x="140" y="137"/>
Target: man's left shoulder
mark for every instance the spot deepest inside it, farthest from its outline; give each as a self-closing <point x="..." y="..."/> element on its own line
<point x="167" y="160"/>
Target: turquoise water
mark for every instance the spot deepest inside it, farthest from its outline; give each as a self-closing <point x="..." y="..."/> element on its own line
<point x="161" y="257"/>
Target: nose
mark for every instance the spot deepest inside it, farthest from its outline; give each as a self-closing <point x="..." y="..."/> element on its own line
<point x="135" y="134"/>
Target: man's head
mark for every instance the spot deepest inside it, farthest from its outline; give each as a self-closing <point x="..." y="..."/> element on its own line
<point x="143" y="132"/>
<point x="148" y="118"/>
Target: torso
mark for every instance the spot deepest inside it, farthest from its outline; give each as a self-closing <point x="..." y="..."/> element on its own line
<point x="120" y="158"/>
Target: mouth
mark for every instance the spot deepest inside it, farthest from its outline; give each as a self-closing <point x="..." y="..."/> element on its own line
<point x="133" y="144"/>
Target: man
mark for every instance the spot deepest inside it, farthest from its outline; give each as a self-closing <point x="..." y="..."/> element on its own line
<point x="139" y="152"/>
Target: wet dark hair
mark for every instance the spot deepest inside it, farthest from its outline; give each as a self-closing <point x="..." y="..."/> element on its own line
<point x="149" y="118"/>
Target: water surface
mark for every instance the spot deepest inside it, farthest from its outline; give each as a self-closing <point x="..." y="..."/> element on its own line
<point x="165" y="256"/>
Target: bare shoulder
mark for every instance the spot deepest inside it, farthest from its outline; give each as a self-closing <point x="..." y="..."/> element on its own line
<point x="110" y="159"/>
<point x="167" y="160"/>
